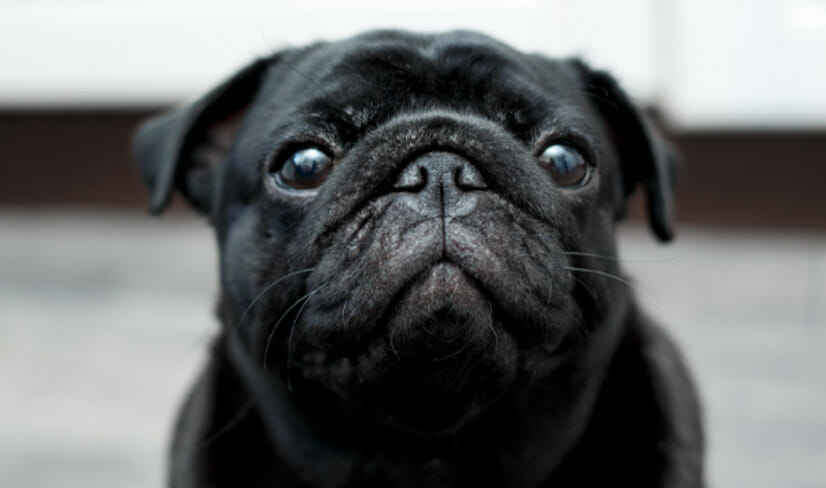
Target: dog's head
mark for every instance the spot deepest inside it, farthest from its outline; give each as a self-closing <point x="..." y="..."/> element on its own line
<point x="414" y="227"/>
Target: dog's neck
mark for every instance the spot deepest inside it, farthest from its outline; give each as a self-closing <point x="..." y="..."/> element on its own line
<point x="293" y="438"/>
<point x="543" y="428"/>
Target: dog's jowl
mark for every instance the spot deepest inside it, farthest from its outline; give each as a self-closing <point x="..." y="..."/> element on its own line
<point x="419" y="282"/>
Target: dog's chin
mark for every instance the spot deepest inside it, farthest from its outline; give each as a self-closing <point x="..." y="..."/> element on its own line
<point x="442" y="359"/>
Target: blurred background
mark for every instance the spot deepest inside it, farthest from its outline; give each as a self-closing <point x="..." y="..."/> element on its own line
<point x="105" y="312"/>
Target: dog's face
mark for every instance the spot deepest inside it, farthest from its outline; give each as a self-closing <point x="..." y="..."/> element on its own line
<point x="413" y="227"/>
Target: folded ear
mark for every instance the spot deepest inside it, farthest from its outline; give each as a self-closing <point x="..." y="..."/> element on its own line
<point x="645" y="156"/>
<point x="183" y="148"/>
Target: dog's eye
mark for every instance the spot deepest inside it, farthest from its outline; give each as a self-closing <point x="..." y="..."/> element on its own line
<point x="566" y="165"/>
<point x="305" y="169"/>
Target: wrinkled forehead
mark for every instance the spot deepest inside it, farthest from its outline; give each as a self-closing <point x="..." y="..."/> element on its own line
<point x="367" y="79"/>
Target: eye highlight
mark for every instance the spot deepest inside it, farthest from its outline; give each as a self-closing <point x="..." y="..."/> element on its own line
<point x="567" y="166"/>
<point x="305" y="170"/>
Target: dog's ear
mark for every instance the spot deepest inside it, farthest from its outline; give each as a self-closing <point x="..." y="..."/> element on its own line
<point x="645" y="156"/>
<point x="183" y="148"/>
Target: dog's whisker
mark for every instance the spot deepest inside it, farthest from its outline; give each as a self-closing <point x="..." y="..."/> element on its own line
<point x="462" y="373"/>
<point x="586" y="288"/>
<point x="582" y="329"/>
<point x="268" y="288"/>
<point x="617" y="258"/>
<point x="228" y="426"/>
<point x="603" y="95"/>
<point x="290" y="345"/>
<point x="452" y="354"/>
<point x="271" y="335"/>
<point x="435" y="336"/>
<point x="492" y="329"/>
<point x="392" y="344"/>
<point x="601" y="273"/>
<point x="614" y="277"/>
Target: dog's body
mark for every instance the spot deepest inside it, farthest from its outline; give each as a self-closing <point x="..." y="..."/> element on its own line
<point x="418" y="273"/>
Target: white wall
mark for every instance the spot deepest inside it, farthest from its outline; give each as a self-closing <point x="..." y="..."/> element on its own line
<point x="744" y="63"/>
<point x="708" y="62"/>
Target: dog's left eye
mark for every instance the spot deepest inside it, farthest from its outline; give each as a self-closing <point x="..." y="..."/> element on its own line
<point x="305" y="169"/>
<point x="567" y="166"/>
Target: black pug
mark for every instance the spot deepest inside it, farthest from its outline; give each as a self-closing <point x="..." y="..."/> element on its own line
<point x="419" y="282"/>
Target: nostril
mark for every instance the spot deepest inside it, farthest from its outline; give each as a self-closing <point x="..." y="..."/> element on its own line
<point x="448" y="171"/>
<point x="468" y="178"/>
<point x="439" y="184"/>
<point x="413" y="179"/>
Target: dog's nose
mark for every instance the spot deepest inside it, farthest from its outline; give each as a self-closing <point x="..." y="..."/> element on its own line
<point x="440" y="184"/>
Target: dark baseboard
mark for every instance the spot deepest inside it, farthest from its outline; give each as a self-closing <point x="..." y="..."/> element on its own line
<point x="730" y="179"/>
<point x="68" y="158"/>
<point x="755" y="179"/>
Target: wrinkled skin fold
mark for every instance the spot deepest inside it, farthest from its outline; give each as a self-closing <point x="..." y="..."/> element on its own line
<point x="439" y="309"/>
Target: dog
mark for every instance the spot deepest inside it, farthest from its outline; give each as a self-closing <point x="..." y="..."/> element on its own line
<point x="419" y="283"/>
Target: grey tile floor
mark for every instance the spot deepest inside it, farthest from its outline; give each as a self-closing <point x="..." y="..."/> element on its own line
<point x="104" y="319"/>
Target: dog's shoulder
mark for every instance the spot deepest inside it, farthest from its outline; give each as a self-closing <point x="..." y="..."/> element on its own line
<point x="675" y="399"/>
<point x="647" y="424"/>
<point x="216" y="441"/>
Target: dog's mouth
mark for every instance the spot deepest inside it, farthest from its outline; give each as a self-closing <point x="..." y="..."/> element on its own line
<point x="427" y="332"/>
<point x="440" y="357"/>
<point x="442" y="294"/>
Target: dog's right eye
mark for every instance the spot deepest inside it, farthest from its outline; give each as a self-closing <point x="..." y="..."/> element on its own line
<point x="304" y="170"/>
<point x="567" y="166"/>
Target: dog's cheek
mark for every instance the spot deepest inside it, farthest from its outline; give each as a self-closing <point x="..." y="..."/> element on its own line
<point x="242" y="258"/>
<point x="593" y="210"/>
<point x="606" y="202"/>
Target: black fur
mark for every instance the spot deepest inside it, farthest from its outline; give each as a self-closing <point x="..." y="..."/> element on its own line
<point x="439" y="312"/>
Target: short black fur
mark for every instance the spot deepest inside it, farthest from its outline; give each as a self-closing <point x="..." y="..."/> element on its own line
<point x="438" y="312"/>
